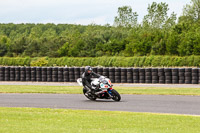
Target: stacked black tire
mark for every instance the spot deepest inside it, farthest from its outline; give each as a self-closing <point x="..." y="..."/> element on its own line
<point x="195" y="76"/>
<point x="17" y="73"/>
<point x="99" y="70"/>
<point x="148" y="76"/>
<point x="112" y="74"/>
<point x="135" y="75"/>
<point x="55" y="74"/>
<point x="161" y="75"/>
<point x="106" y="72"/>
<point x="168" y="75"/>
<point x="123" y="75"/>
<point x="23" y="73"/>
<point x="28" y="73"/>
<point x="199" y="74"/>
<point x="33" y="73"/>
<point x="129" y="75"/>
<point x="66" y="74"/>
<point x="155" y="78"/>
<point x="71" y="75"/>
<point x="38" y="74"/>
<point x="117" y="75"/>
<point x="188" y="75"/>
<point x="175" y="76"/>
<point x="141" y="75"/>
<point x="94" y="69"/>
<point x="49" y="74"/>
<point x="44" y="74"/>
<point x="2" y="73"/>
<point x="12" y="73"/>
<point x="7" y="74"/>
<point x="181" y="75"/>
<point x="77" y="73"/>
<point x="60" y="74"/>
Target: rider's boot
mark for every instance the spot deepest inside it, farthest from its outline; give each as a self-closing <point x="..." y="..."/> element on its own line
<point x="92" y="91"/>
<point x="87" y="93"/>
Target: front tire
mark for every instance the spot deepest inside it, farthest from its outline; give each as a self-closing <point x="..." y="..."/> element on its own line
<point x="116" y="95"/>
<point x="91" y="97"/>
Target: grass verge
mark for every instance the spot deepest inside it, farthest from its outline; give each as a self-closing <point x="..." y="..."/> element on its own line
<point x="78" y="90"/>
<point x="34" y="120"/>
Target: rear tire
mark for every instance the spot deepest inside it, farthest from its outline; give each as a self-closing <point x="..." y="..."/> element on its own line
<point x="93" y="98"/>
<point x="116" y="95"/>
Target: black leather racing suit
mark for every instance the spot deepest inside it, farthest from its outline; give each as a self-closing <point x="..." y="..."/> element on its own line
<point x="86" y="78"/>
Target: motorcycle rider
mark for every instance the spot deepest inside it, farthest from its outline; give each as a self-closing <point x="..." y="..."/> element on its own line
<point x="86" y="79"/>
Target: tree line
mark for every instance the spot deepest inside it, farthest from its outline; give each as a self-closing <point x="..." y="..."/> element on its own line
<point x="159" y="33"/>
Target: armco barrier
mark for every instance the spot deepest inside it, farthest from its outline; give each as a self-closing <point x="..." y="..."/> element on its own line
<point x="116" y="75"/>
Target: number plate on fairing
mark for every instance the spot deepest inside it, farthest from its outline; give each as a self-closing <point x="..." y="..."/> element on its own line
<point x="103" y="86"/>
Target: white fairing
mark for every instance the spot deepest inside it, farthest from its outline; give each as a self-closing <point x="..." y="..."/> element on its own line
<point x="95" y="82"/>
<point x="98" y="81"/>
<point x="79" y="81"/>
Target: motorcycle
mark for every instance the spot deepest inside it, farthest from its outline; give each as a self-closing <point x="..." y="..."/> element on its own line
<point x="103" y="89"/>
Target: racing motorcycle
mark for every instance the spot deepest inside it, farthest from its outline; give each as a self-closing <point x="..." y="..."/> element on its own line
<point x="103" y="87"/>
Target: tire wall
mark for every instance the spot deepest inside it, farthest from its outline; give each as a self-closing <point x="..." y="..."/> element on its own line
<point x="116" y="75"/>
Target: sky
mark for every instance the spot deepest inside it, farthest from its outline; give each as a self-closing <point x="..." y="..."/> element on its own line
<point x="82" y="12"/>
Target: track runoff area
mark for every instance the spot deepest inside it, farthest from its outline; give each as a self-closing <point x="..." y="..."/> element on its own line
<point x="74" y="113"/>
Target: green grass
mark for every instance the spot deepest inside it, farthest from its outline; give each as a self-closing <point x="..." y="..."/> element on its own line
<point x="35" y="120"/>
<point x="40" y="89"/>
<point x="78" y="90"/>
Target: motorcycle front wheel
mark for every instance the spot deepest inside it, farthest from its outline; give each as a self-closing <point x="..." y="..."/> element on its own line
<point x="116" y="95"/>
<point x="93" y="98"/>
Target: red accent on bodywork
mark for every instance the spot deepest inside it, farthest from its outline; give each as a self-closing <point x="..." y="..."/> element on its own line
<point x="109" y="82"/>
<point x="111" y="88"/>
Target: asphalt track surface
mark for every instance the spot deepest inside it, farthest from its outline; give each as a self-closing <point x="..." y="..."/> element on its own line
<point x="189" y="105"/>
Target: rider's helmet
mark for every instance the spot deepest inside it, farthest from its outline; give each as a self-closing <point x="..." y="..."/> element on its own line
<point x="88" y="70"/>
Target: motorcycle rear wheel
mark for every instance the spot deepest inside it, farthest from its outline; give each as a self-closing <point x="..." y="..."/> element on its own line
<point x="93" y="98"/>
<point x="116" y="95"/>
